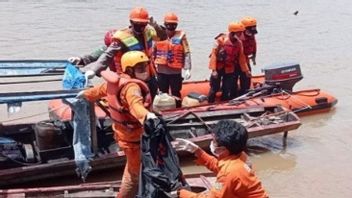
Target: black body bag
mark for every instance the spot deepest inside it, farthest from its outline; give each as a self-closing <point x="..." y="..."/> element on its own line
<point x="160" y="170"/>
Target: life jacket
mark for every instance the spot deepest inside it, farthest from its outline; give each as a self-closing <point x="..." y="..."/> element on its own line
<point x="228" y="53"/>
<point x="170" y="52"/>
<point x="249" y="45"/>
<point x="126" y="37"/>
<point x="119" y="112"/>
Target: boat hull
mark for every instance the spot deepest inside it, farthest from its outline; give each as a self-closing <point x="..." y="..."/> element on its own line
<point x="302" y="102"/>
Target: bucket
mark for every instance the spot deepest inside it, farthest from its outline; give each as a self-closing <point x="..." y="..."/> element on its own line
<point x="48" y="136"/>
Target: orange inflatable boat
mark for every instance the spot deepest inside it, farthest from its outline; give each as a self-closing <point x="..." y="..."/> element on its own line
<point x="273" y="88"/>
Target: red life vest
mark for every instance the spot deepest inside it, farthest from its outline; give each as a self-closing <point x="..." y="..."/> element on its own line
<point x="170" y="52"/>
<point x="119" y="112"/>
<point x="126" y="37"/>
<point x="249" y="45"/>
<point x="228" y="54"/>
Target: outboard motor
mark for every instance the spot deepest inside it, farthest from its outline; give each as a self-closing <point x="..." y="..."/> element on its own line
<point x="283" y="76"/>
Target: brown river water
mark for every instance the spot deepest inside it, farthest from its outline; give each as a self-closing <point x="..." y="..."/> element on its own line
<point x="317" y="160"/>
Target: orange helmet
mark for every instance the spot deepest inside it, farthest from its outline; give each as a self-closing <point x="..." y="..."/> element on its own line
<point x="170" y="17"/>
<point x="236" y="27"/>
<point x="249" y="21"/>
<point x="139" y="14"/>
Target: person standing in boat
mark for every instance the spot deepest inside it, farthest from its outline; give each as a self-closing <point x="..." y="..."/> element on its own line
<point x="171" y="56"/>
<point x="139" y="36"/>
<point x="234" y="178"/>
<point x="129" y="101"/>
<point x="226" y="59"/>
<point x="249" y="48"/>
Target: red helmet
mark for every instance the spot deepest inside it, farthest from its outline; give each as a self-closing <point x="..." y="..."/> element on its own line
<point x="108" y="37"/>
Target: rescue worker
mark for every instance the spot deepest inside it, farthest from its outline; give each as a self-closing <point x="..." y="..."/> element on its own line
<point x="129" y="101"/>
<point x="139" y="36"/>
<point x="171" y="56"/>
<point x="92" y="57"/>
<point x="234" y="178"/>
<point x="249" y="48"/>
<point x="226" y="59"/>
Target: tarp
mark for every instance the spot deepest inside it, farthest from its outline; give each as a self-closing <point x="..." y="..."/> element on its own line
<point x="73" y="78"/>
<point x="160" y="170"/>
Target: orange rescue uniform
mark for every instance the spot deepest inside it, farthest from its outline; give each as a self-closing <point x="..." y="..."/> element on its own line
<point x="249" y="46"/>
<point x="235" y="179"/>
<point x="131" y="97"/>
<point x="222" y="41"/>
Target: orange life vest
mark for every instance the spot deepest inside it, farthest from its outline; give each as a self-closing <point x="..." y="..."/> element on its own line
<point x="170" y="52"/>
<point x="228" y="53"/>
<point x="119" y="112"/>
<point x="249" y="46"/>
<point x="126" y="37"/>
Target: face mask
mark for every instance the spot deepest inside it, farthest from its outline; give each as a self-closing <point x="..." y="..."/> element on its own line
<point x="251" y="31"/>
<point x="142" y="76"/>
<point x="213" y="149"/>
<point x="138" y="27"/>
<point x="254" y="31"/>
<point x="232" y="36"/>
<point x="171" y="26"/>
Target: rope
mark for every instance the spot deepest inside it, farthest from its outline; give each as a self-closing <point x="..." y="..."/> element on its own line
<point x="307" y="106"/>
<point x="34" y="115"/>
<point x="317" y="92"/>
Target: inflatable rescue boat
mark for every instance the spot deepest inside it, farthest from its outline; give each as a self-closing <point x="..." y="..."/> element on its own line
<point x="275" y="87"/>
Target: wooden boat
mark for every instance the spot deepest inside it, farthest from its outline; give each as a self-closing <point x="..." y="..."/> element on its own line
<point x="48" y="151"/>
<point x="197" y="182"/>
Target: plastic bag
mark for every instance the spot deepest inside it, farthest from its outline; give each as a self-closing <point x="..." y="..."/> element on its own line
<point x="73" y="78"/>
<point x="160" y="169"/>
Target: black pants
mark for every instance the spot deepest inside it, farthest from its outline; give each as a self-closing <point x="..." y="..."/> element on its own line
<point x="245" y="82"/>
<point x="227" y="86"/>
<point x="172" y="82"/>
<point x="153" y="86"/>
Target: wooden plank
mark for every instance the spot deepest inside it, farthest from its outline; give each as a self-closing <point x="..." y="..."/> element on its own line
<point x="36" y="95"/>
<point x="218" y="112"/>
<point x="30" y="81"/>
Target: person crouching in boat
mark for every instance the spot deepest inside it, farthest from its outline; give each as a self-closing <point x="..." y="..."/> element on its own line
<point x="171" y="56"/>
<point x="129" y="101"/>
<point x="234" y="177"/>
<point x="226" y="59"/>
<point x="249" y="48"/>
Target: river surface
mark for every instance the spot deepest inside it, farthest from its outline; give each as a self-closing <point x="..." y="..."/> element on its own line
<point x="317" y="161"/>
